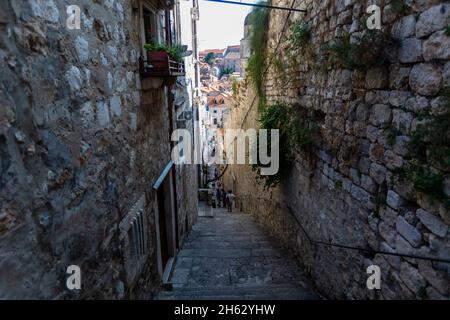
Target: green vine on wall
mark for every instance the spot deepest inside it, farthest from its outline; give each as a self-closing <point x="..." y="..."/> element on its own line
<point x="297" y="131"/>
<point x="370" y="50"/>
<point x="300" y="34"/>
<point x="259" y="21"/>
<point x="429" y="153"/>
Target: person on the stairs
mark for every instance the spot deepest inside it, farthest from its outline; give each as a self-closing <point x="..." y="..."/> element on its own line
<point x="230" y="200"/>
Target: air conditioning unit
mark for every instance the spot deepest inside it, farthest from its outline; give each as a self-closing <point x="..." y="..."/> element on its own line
<point x="195" y="14"/>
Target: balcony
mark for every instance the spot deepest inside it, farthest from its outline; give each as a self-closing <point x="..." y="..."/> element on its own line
<point x="160" y="65"/>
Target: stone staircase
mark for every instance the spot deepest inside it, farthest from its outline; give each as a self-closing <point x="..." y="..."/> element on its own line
<point x="229" y="257"/>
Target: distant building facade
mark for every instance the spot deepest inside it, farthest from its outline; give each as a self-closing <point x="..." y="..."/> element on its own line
<point x="245" y="46"/>
<point x="232" y="58"/>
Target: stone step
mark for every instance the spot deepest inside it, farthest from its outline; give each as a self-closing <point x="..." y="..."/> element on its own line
<point x="228" y="253"/>
<point x="228" y="245"/>
<point x="268" y="292"/>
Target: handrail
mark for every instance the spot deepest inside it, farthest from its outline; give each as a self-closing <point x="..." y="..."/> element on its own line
<point x="369" y="251"/>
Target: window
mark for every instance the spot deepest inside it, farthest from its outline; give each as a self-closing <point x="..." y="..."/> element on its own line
<point x="215" y="111"/>
<point x="215" y="121"/>
<point x="149" y="25"/>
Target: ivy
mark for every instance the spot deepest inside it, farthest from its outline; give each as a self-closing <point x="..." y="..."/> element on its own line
<point x="297" y="131"/>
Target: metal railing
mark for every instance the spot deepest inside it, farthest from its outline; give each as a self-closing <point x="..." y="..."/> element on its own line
<point x="365" y="250"/>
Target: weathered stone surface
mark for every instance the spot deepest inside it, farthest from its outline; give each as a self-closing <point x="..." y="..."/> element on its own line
<point x="82" y="49"/>
<point x="401" y="145"/>
<point x="394" y="200"/>
<point x="360" y="194"/>
<point x="399" y="98"/>
<point x="387" y="232"/>
<point x="417" y="104"/>
<point x="392" y="160"/>
<point x="103" y="114"/>
<point x="446" y="75"/>
<point x="74" y="78"/>
<point x="425" y="79"/>
<point x="404" y="28"/>
<point x="433" y="294"/>
<point x="372" y="133"/>
<point x="433" y="19"/>
<point x="408" y="232"/>
<point x="403" y="247"/>
<point x="116" y="106"/>
<point x="376" y="152"/>
<point x="412" y="278"/>
<point x="380" y="115"/>
<point x="377" y="78"/>
<point x="399" y="77"/>
<point x="378" y="172"/>
<point x="410" y="51"/>
<point x="437" y="279"/>
<point x="437" y="47"/>
<point x="45" y="9"/>
<point x="402" y="120"/>
<point x="433" y="223"/>
<point x="377" y="96"/>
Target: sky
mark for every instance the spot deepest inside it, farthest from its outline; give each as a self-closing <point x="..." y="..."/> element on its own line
<point x="221" y="25"/>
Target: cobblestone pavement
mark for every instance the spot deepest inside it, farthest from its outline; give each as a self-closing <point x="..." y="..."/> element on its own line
<point x="230" y="257"/>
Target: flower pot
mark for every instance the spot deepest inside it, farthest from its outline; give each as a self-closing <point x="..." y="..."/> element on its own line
<point x="158" y="60"/>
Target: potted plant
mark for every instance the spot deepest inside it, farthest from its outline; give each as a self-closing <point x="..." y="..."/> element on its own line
<point x="159" y="53"/>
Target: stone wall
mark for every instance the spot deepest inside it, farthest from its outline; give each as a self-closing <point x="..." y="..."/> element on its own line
<point x="343" y="191"/>
<point x="81" y="142"/>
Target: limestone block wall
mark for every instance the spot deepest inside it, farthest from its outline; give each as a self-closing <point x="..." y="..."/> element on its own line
<point x="344" y="192"/>
<point x="81" y="142"/>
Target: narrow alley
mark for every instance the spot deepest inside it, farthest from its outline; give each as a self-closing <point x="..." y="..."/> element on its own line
<point x="127" y="125"/>
<point x="229" y="257"/>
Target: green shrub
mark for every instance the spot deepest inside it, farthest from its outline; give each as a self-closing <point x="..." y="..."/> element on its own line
<point x="209" y="58"/>
<point x="367" y="52"/>
<point x="429" y="154"/>
<point x="300" y="34"/>
<point x="399" y="6"/>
